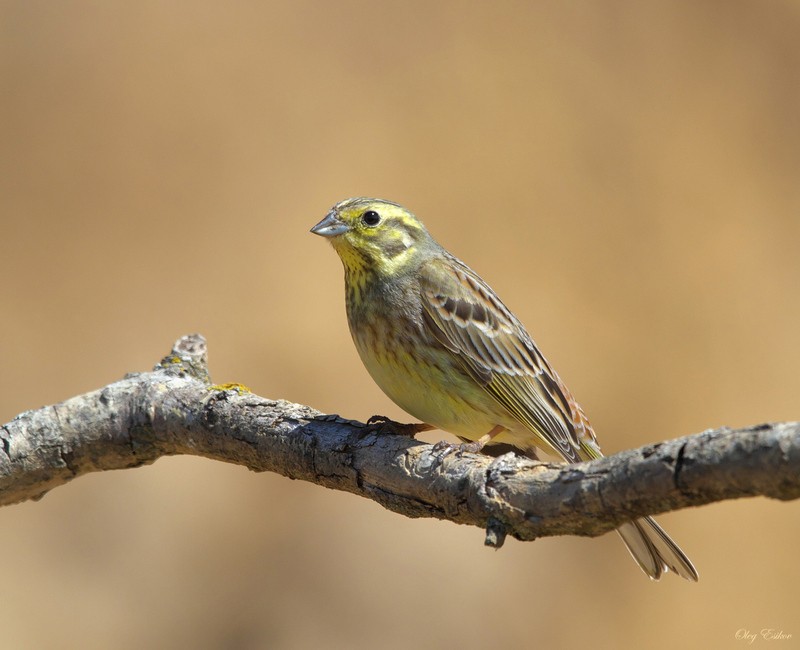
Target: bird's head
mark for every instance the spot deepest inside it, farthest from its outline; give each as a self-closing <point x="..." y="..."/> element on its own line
<point x="375" y="236"/>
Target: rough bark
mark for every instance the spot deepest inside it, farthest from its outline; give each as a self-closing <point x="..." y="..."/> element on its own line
<point x="175" y="410"/>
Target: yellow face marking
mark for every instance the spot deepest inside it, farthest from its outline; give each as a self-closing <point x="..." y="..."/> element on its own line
<point x="381" y="236"/>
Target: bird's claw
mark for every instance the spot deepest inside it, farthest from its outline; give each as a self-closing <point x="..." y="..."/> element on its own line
<point x="443" y="449"/>
<point x="444" y="446"/>
<point x="469" y="447"/>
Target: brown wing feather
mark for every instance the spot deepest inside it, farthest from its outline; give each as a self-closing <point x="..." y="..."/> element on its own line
<point x="466" y="316"/>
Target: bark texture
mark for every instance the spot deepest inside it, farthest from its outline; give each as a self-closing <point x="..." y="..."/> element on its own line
<point x="175" y="410"/>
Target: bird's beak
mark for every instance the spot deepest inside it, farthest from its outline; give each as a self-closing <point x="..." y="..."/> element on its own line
<point x="330" y="226"/>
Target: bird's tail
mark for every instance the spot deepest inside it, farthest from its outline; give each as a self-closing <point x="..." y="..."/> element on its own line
<point x="651" y="547"/>
<point x="654" y="551"/>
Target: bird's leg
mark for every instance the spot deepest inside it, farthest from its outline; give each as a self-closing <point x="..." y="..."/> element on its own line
<point x="481" y="442"/>
<point x="382" y="424"/>
<point x="474" y="446"/>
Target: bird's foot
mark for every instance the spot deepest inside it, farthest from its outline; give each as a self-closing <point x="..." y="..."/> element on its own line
<point x="470" y="447"/>
<point x="443" y="449"/>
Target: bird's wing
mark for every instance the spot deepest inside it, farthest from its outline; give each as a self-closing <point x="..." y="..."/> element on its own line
<point x="466" y="317"/>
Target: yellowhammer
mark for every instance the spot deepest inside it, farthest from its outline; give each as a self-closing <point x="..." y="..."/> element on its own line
<point x="443" y="347"/>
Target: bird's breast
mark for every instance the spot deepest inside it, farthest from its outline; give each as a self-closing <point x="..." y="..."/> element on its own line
<point x="417" y="373"/>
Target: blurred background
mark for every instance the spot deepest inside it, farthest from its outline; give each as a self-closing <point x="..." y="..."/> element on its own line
<point x="624" y="174"/>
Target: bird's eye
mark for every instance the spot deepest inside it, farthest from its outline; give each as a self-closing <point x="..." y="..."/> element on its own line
<point x="371" y="218"/>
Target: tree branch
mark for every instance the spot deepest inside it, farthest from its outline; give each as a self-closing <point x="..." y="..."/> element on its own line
<point x="174" y="410"/>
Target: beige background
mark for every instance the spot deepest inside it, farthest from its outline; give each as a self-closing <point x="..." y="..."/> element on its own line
<point x="624" y="174"/>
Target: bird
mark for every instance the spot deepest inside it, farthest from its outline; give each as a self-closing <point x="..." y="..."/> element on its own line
<point x="442" y="345"/>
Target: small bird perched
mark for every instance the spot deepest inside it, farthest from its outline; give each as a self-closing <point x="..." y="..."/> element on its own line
<point x="440" y="343"/>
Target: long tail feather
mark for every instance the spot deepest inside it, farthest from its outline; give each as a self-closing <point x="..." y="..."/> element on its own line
<point x="654" y="551"/>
